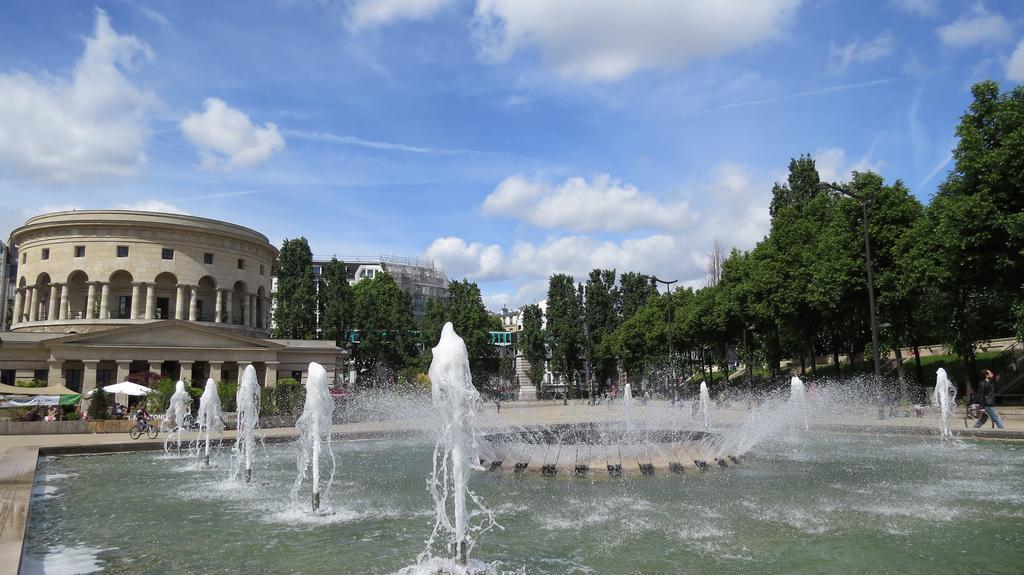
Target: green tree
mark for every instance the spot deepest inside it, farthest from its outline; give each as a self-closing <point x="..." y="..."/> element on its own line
<point x="295" y="299"/>
<point x="565" y="325"/>
<point x="602" y="319"/>
<point x="471" y="320"/>
<point x="336" y="301"/>
<point x="531" y="342"/>
<point x="383" y="316"/>
<point x="634" y="291"/>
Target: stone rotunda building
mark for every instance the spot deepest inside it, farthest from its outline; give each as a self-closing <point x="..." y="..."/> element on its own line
<point x="105" y="293"/>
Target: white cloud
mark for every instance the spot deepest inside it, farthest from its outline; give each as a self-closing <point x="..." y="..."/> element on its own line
<point x="918" y="7"/>
<point x="462" y="260"/>
<point x="840" y="57"/>
<point x="227" y="138"/>
<point x="151" y="205"/>
<point x="364" y="14"/>
<point x="833" y="167"/>
<point x="979" y="26"/>
<point x="607" y="40"/>
<point x="581" y="206"/>
<point x="90" y="127"/>
<point x="1015" y="67"/>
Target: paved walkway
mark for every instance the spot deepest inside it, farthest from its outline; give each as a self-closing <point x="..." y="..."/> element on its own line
<point x="18" y="454"/>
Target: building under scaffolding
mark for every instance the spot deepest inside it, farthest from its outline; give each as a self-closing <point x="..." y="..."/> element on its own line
<point x="422" y="279"/>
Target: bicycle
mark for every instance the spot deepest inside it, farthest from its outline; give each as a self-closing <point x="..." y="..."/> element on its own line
<point x="143" y="427"/>
<point x="973" y="412"/>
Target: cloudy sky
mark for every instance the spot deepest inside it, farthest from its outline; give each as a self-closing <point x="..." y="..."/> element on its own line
<point x="506" y="139"/>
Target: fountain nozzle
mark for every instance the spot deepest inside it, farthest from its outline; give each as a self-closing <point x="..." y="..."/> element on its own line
<point x="248" y="475"/>
<point x="316" y="501"/>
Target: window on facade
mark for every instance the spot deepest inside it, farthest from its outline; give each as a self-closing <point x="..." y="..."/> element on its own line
<point x="163" y="307"/>
<point x="73" y="379"/>
<point x="24" y="257"/>
<point x="7" y="376"/>
<point x="241" y="264"/>
<point x="316" y="270"/>
<point x="207" y="259"/>
<point x="297" y="375"/>
<point x="79" y="251"/>
<point x="122" y="251"/>
<point x="262" y="270"/>
<point x="124" y="307"/>
<point x="46" y="253"/>
<point x="40" y="374"/>
<point x="105" y="377"/>
<point x="167" y="254"/>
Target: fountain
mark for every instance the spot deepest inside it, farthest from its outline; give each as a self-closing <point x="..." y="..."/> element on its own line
<point x="944" y="397"/>
<point x="314" y="427"/>
<point x="178" y="413"/>
<point x="705" y="405"/>
<point x="627" y="403"/>
<point x="798" y="397"/>
<point x="247" y="401"/>
<point x="208" y="416"/>
<point x="455" y="452"/>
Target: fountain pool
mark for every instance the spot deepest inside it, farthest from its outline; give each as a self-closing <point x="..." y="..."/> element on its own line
<point x="813" y="503"/>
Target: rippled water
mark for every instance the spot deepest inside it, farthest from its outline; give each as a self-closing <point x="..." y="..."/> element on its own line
<point x="834" y="504"/>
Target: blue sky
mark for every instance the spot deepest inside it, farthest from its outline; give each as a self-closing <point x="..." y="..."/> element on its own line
<point x="506" y="139"/>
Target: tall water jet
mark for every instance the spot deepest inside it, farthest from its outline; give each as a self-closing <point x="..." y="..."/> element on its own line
<point x="455" y="453"/>
<point x="705" y="405"/>
<point x="178" y="412"/>
<point x="314" y="427"/>
<point x="798" y="397"/>
<point x="247" y="401"/>
<point x="627" y="404"/>
<point x="208" y="416"/>
<point x="944" y="397"/>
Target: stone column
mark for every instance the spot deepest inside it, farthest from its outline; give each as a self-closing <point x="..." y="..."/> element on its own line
<point x="90" y="302"/>
<point x="266" y="313"/>
<point x="123" y="370"/>
<point x="88" y="380"/>
<point x="270" y="378"/>
<point x="228" y="297"/>
<point x="150" y="301"/>
<point x="252" y="310"/>
<point x="136" y="295"/>
<point x="215" y="370"/>
<point x="64" y="301"/>
<point x="185" y="371"/>
<point x="33" y="310"/>
<point x="154" y="365"/>
<point x="179" y="303"/>
<point x="243" y="303"/>
<point x="19" y="305"/>
<point x="105" y="300"/>
<point x="218" y="309"/>
<point x="193" y="302"/>
<point x="51" y="309"/>
<point x="53" y="373"/>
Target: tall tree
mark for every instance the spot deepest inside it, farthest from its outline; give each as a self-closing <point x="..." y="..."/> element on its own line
<point x="470" y="318"/>
<point x="295" y="299"/>
<point x="602" y="319"/>
<point x="383" y="316"/>
<point x="531" y="342"/>
<point x="565" y="321"/>
<point x="335" y="301"/>
<point x="634" y="291"/>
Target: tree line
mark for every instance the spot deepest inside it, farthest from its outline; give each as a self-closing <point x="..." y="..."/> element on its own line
<point x="948" y="272"/>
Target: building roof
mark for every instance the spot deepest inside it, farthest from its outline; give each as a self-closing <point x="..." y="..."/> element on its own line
<point x="28" y="336"/>
<point x="306" y="343"/>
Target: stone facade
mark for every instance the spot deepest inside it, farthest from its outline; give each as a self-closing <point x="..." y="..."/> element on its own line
<point x="103" y="294"/>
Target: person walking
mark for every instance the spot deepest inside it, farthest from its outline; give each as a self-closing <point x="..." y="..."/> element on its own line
<point x="986" y="396"/>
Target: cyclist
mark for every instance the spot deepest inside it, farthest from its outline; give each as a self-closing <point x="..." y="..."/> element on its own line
<point x="142" y="417"/>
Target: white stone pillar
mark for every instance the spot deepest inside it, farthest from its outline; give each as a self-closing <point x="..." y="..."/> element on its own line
<point x="19" y="305"/>
<point x="179" y="303"/>
<point x="193" y="302"/>
<point x="185" y="371"/>
<point x="64" y="301"/>
<point x="51" y="308"/>
<point x="215" y="370"/>
<point x="218" y="309"/>
<point x="90" y="302"/>
<point x="228" y="304"/>
<point x="88" y="380"/>
<point x="150" y="301"/>
<point x="105" y="300"/>
<point x="136" y="296"/>
<point x="270" y="379"/>
<point x="54" y="375"/>
<point x="123" y="369"/>
<point x="33" y="310"/>
<point x="252" y="310"/>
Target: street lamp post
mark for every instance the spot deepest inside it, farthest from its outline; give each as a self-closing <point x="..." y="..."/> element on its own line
<point x="672" y="365"/>
<point x="867" y="264"/>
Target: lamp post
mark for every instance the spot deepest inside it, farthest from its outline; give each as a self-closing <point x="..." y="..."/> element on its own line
<point x="672" y="365"/>
<point x="867" y="264"/>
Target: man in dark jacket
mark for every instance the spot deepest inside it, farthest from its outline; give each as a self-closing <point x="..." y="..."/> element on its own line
<point x="986" y="395"/>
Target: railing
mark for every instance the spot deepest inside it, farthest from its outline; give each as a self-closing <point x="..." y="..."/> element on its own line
<point x="1009" y="365"/>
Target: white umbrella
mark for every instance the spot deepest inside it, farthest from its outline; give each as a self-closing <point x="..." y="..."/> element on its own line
<point x="127" y="388"/>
